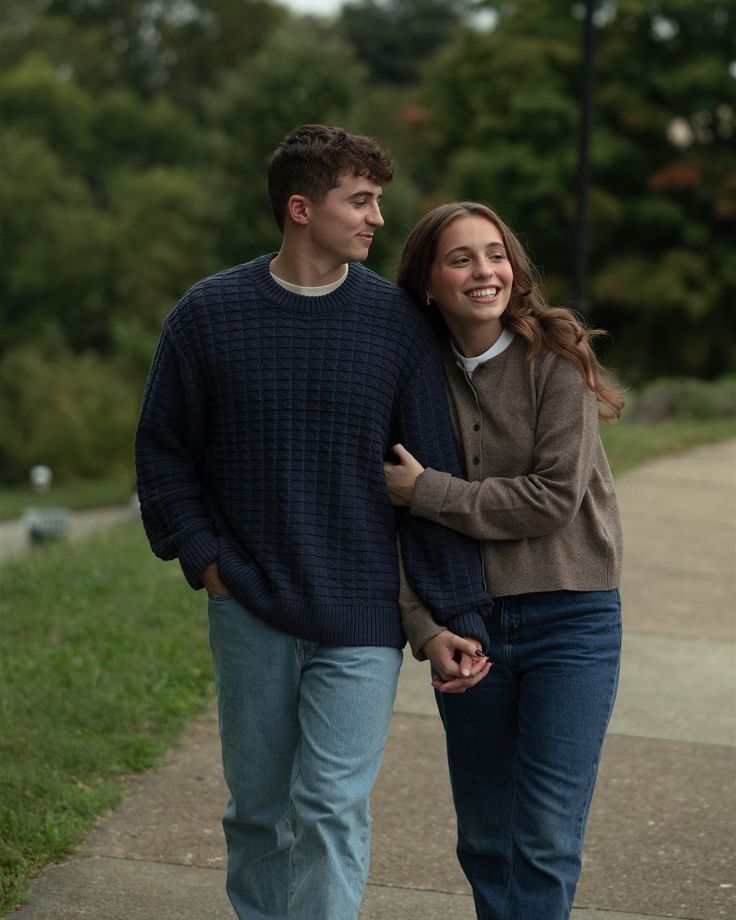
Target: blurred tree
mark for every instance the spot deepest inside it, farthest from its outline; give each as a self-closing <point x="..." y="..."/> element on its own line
<point x="37" y="99"/>
<point x="85" y="236"/>
<point x="75" y="413"/>
<point x="77" y="52"/>
<point x="500" y="125"/>
<point x="54" y="258"/>
<point x="168" y="44"/>
<point x="393" y="38"/>
<point x="663" y="156"/>
<point x="164" y="232"/>
<point x="137" y="134"/>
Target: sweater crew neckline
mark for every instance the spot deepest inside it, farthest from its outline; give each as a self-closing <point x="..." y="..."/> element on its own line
<point x="349" y="291"/>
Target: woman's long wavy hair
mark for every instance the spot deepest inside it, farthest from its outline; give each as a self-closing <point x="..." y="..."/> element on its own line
<point x="526" y="314"/>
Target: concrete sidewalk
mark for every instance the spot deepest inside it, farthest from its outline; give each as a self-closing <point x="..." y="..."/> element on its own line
<point x="14" y="539"/>
<point x="660" y="837"/>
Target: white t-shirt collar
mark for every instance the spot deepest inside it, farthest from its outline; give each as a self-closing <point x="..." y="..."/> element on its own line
<point x="311" y="291"/>
<point x="470" y="364"/>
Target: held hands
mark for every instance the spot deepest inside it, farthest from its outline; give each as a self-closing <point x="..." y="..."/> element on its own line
<point x="459" y="662"/>
<point x="401" y="476"/>
<point x="210" y="578"/>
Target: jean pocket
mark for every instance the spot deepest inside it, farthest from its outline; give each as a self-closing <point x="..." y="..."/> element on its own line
<point x="219" y="598"/>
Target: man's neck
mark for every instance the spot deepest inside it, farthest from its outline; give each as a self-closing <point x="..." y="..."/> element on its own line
<point x="305" y="270"/>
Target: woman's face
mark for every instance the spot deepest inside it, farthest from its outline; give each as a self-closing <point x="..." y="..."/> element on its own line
<point x="471" y="276"/>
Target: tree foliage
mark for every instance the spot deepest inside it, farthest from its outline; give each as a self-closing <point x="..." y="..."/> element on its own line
<point x="393" y="38"/>
<point x="133" y="146"/>
<point x="501" y="125"/>
<point x="168" y="44"/>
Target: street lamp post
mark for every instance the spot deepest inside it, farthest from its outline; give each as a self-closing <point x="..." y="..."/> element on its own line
<point x="580" y="251"/>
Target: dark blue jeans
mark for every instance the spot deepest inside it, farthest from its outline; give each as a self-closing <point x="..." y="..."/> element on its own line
<point x="523" y="748"/>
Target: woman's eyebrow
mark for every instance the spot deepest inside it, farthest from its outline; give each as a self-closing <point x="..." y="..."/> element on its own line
<point x="493" y="245"/>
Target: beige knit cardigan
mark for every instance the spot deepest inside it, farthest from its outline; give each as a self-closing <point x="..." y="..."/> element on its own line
<point x="539" y="494"/>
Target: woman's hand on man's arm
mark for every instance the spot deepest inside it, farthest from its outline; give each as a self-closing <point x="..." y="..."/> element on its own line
<point x="401" y="476"/>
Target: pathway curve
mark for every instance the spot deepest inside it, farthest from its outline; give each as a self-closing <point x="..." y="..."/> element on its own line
<point x="14" y="535"/>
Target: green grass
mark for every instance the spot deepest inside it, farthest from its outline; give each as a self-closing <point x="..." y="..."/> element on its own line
<point x="629" y="444"/>
<point x="103" y="661"/>
<point x="76" y="495"/>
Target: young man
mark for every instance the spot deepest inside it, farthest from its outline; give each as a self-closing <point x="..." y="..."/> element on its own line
<point x="276" y="390"/>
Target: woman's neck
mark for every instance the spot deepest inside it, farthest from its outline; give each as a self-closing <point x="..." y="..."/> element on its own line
<point x="474" y="341"/>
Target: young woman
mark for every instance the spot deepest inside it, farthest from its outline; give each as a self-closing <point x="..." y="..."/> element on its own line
<point x="526" y="393"/>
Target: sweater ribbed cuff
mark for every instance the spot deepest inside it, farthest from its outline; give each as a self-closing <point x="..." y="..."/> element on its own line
<point x="471" y="623"/>
<point x="195" y="554"/>
<point x="420" y="628"/>
<point x="429" y="494"/>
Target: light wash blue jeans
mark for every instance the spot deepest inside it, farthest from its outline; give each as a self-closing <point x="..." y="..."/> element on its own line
<point x="303" y="728"/>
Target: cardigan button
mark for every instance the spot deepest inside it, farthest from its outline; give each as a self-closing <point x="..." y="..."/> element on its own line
<point x="476" y="461"/>
<point x="476" y="427"/>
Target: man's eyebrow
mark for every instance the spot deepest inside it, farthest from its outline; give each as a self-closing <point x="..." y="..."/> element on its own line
<point x="369" y="193"/>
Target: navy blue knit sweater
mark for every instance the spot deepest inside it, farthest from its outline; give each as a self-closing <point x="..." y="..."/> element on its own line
<point x="260" y="444"/>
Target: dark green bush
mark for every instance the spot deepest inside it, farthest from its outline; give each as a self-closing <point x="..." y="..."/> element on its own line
<point x="75" y="413"/>
<point x="683" y="397"/>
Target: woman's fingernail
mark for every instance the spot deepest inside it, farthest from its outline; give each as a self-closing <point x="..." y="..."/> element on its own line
<point x="479" y="653"/>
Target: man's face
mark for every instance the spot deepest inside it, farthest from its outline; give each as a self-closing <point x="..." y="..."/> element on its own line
<point x="341" y="226"/>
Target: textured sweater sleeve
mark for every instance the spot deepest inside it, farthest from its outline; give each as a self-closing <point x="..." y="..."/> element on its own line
<point x="169" y="448"/>
<point x="545" y="499"/>
<point x="442" y="567"/>
<point x="416" y="620"/>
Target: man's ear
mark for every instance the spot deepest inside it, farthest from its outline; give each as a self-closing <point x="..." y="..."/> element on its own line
<point x="297" y="208"/>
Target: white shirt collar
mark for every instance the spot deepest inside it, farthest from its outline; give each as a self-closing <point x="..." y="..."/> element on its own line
<point x="311" y="291"/>
<point x="470" y="364"/>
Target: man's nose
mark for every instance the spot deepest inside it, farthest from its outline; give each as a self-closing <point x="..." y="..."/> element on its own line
<point x="375" y="218"/>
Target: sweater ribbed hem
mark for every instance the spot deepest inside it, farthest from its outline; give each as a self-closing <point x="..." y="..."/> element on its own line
<point x="343" y="625"/>
<point x="351" y="623"/>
